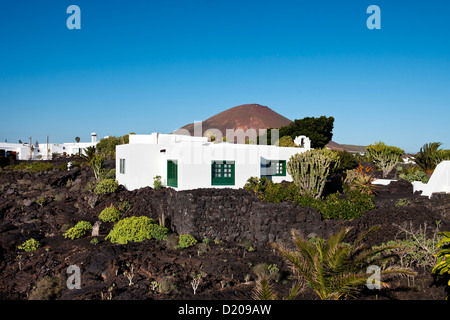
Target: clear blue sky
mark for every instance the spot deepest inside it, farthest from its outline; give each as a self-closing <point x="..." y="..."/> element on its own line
<point x="147" y="66"/>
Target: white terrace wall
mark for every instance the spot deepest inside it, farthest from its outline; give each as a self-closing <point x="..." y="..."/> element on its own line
<point x="439" y="181"/>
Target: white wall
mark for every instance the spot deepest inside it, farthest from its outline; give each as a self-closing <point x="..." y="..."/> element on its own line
<point x="145" y="161"/>
<point x="439" y="180"/>
<point x="142" y="163"/>
<point x="23" y="150"/>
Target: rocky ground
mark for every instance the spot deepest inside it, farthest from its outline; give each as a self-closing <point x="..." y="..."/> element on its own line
<point x="129" y="272"/>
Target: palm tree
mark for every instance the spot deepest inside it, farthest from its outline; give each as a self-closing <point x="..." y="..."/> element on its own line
<point x="427" y="156"/>
<point x="334" y="269"/>
<point x="90" y="153"/>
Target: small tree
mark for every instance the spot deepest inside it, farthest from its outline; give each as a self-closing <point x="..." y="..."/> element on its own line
<point x="77" y="139"/>
<point x="90" y="153"/>
<point x="318" y="130"/>
<point x="310" y="170"/>
<point x="98" y="165"/>
<point x="107" y="146"/>
<point x="386" y="157"/>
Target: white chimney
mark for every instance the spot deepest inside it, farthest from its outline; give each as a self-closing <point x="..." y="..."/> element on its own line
<point x="93" y="137"/>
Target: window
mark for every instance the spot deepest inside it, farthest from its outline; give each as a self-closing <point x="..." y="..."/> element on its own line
<point x="222" y="173"/>
<point x="172" y="173"/>
<point x="279" y="168"/>
<point x="122" y="165"/>
<point x="275" y="167"/>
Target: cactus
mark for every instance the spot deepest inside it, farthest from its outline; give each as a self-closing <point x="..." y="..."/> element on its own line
<point x="309" y="170"/>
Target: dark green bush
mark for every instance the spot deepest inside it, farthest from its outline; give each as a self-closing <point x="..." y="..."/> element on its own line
<point x="344" y="206"/>
<point x="159" y="232"/>
<point x="347" y="161"/>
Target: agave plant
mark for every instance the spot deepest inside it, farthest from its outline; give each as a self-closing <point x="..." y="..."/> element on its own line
<point x="334" y="269"/>
<point x="360" y="179"/>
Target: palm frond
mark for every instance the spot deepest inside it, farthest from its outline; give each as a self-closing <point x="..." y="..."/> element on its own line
<point x="294" y="292"/>
<point x="264" y="290"/>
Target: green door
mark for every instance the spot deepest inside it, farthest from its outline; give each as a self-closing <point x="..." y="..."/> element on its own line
<point x="172" y="173"/>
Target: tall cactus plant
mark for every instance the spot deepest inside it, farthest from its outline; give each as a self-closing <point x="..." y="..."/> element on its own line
<point x="309" y="170"/>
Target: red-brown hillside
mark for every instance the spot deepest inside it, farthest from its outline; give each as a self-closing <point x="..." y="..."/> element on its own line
<point x="246" y="116"/>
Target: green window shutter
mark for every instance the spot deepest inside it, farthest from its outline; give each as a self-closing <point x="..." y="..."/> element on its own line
<point x="172" y="173"/>
<point x="223" y="173"/>
<point x="278" y="167"/>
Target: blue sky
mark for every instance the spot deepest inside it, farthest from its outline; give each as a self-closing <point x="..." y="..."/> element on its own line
<point x="154" y="66"/>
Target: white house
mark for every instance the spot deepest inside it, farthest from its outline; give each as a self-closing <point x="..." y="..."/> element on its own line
<point x="189" y="162"/>
<point x="44" y="151"/>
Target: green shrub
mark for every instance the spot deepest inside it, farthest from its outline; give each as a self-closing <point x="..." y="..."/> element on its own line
<point x="79" y="230"/>
<point x="159" y="232"/>
<point x="270" y="191"/>
<point x="107" y="146"/>
<point x="256" y="185"/>
<point x="131" y="229"/>
<point x="110" y="214"/>
<point x="106" y="186"/>
<point x="384" y="156"/>
<point x="124" y="206"/>
<point x="349" y="206"/>
<point x="186" y="241"/>
<point x="157" y="184"/>
<point x="111" y="174"/>
<point x="346" y="206"/>
<point x="267" y="271"/>
<point x="402" y="202"/>
<point x="347" y="161"/>
<point x="412" y="173"/>
<point x="30" y="245"/>
<point x="32" y="167"/>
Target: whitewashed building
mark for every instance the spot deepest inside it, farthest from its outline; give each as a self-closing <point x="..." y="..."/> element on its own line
<point x="188" y="162"/>
<point x="44" y="151"/>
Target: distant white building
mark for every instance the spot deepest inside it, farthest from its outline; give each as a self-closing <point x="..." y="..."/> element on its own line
<point x="188" y="162"/>
<point x="44" y="151"/>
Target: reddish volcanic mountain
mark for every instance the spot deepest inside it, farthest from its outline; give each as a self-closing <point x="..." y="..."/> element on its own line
<point x="246" y="116"/>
